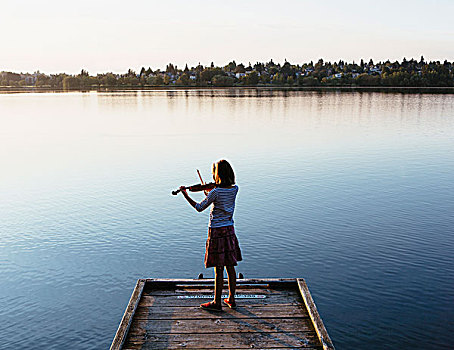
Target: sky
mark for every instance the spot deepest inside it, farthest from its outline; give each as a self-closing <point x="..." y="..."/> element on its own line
<point x="55" y="36"/>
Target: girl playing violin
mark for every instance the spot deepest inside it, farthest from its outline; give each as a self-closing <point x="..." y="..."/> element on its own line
<point x="222" y="248"/>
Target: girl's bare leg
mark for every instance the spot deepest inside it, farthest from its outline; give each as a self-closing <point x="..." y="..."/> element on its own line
<point x="232" y="282"/>
<point x="218" y="283"/>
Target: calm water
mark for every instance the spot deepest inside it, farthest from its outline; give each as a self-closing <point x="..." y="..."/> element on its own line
<point x="352" y="191"/>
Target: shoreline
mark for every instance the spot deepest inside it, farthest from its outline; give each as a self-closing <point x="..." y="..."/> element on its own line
<point x="389" y="89"/>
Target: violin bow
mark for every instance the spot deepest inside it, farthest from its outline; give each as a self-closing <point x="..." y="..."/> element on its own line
<point x="201" y="181"/>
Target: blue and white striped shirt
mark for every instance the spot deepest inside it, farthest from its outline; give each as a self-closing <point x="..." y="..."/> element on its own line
<point x="223" y="200"/>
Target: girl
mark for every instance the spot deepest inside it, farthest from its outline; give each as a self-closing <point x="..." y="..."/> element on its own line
<point x="222" y="248"/>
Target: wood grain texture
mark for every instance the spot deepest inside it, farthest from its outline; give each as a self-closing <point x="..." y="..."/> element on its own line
<point x="239" y="340"/>
<point x="209" y="290"/>
<point x="314" y="315"/>
<point x="165" y="314"/>
<point x="246" y="311"/>
<point x="211" y="280"/>
<point x="223" y="325"/>
<point x="126" y="321"/>
<point x="173" y="300"/>
<point x="133" y="346"/>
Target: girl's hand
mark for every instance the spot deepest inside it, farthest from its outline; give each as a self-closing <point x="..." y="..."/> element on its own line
<point x="186" y="196"/>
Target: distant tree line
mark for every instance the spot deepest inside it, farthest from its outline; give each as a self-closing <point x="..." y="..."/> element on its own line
<point x="407" y="73"/>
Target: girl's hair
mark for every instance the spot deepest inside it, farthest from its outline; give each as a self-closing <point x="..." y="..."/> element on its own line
<point x="223" y="173"/>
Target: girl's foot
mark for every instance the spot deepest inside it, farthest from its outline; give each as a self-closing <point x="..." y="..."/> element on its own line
<point x="212" y="306"/>
<point x="231" y="305"/>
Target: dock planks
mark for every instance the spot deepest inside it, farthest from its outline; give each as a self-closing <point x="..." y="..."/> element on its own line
<point x="271" y="314"/>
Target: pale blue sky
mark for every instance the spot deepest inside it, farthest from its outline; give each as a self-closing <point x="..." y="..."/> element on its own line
<point x="100" y="35"/>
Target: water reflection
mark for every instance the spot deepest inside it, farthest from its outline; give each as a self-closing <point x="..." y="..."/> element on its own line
<point x="352" y="191"/>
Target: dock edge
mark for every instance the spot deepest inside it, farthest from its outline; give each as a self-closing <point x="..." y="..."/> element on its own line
<point x="125" y="323"/>
<point x="317" y="322"/>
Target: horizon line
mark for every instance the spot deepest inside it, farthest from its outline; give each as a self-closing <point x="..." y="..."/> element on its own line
<point x="238" y="63"/>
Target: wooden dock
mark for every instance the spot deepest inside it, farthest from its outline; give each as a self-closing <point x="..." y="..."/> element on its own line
<point x="271" y="314"/>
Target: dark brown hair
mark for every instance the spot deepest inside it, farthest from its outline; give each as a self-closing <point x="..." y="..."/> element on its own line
<point x="223" y="173"/>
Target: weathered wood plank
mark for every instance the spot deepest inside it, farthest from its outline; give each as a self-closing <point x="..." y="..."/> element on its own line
<point x="136" y="346"/>
<point x="245" y="311"/>
<point x="225" y="290"/>
<point x="221" y="340"/>
<point x="266" y="291"/>
<point x="125" y="323"/>
<point x="211" y="280"/>
<point x="281" y="320"/>
<point x="153" y="300"/>
<point x="225" y="286"/>
<point x="238" y="286"/>
<point x="314" y="315"/>
<point x="220" y="324"/>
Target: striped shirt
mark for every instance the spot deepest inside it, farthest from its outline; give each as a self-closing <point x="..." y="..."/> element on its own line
<point x="223" y="200"/>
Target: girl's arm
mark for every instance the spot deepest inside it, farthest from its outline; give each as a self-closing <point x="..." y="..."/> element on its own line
<point x="202" y="205"/>
<point x="186" y="195"/>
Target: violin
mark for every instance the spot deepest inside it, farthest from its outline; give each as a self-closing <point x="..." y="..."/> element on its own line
<point x="198" y="187"/>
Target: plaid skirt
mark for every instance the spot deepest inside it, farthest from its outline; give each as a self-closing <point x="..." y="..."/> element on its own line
<point x="222" y="247"/>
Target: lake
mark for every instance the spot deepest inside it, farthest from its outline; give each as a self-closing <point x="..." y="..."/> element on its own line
<point x="353" y="191"/>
